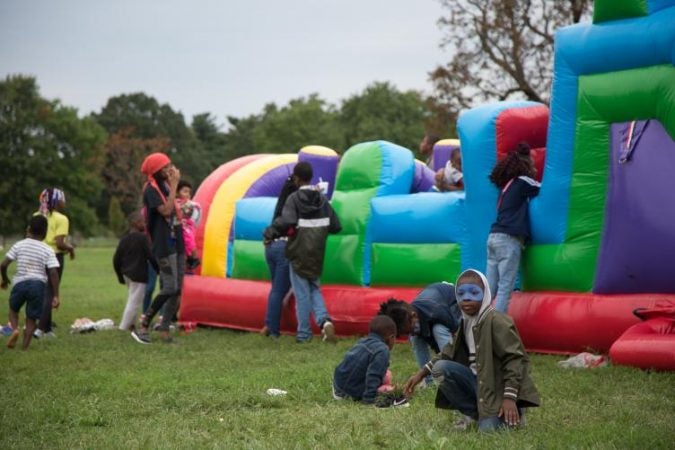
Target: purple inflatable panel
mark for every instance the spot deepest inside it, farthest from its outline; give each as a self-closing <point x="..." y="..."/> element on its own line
<point x="638" y="242"/>
<point x="423" y="180"/>
<point x="270" y="184"/>
<point x="324" y="167"/>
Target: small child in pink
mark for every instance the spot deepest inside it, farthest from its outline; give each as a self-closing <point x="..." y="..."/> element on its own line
<point x="191" y="215"/>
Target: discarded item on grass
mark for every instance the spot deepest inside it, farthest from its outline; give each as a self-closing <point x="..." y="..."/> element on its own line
<point x="584" y="360"/>
<point x="86" y="325"/>
<point x="276" y="392"/>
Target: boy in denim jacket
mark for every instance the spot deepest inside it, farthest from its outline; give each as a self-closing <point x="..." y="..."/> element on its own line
<point x="363" y="369"/>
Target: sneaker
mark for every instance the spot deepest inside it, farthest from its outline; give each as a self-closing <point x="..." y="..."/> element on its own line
<point x="7" y="330"/>
<point x="463" y="423"/>
<point x="140" y="337"/>
<point x="50" y="335"/>
<point x="37" y="334"/>
<point x="391" y="401"/>
<point x="11" y="342"/>
<point x="328" y="332"/>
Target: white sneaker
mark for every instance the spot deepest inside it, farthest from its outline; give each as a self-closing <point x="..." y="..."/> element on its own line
<point x="50" y="335"/>
<point x="37" y="334"/>
<point x="328" y="332"/>
<point x="463" y="423"/>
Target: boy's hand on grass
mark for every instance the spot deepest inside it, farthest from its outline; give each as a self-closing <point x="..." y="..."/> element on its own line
<point x="509" y="412"/>
<point x="409" y="386"/>
<point x="55" y="302"/>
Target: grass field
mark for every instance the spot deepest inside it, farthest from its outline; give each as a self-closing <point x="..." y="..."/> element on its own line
<point x="103" y="390"/>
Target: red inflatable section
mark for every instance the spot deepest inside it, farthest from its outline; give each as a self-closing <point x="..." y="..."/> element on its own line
<point x="241" y="304"/>
<point x="529" y="125"/>
<point x="567" y="323"/>
<point x="649" y="344"/>
<point x="548" y="322"/>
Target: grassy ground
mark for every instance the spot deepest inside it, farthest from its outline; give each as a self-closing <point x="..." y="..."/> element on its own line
<point x="103" y="390"/>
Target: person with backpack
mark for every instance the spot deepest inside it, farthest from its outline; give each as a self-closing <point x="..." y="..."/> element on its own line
<point x="165" y="231"/>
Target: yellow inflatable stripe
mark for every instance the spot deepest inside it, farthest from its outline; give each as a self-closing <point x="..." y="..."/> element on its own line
<point x="318" y="150"/>
<point x="448" y="142"/>
<point x="221" y="213"/>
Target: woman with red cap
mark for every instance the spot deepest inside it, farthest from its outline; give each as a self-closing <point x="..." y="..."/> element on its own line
<point x="164" y="227"/>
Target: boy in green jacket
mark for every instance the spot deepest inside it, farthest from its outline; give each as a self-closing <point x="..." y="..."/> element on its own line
<point x="484" y="373"/>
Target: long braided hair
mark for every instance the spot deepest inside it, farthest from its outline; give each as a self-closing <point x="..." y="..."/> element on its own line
<point x="515" y="164"/>
<point x="49" y="198"/>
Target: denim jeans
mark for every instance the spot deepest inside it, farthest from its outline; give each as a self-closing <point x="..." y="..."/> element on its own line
<point x="442" y="336"/>
<point x="308" y="299"/>
<point x="281" y="283"/>
<point x="503" y="261"/>
<point x="458" y="385"/>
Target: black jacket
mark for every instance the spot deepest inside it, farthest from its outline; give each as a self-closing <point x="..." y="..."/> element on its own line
<point x="309" y="215"/>
<point x="132" y="256"/>
<point x="436" y="304"/>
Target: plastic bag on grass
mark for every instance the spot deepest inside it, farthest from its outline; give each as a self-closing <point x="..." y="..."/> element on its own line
<point x="584" y="360"/>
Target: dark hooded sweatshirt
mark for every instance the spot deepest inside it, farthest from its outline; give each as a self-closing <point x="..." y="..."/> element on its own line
<point x="308" y="213"/>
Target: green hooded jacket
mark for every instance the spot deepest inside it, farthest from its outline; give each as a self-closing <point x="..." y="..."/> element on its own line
<point x="502" y="365"/>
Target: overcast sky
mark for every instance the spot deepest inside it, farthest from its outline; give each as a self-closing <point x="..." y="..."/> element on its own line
<point x="225" y="57"/>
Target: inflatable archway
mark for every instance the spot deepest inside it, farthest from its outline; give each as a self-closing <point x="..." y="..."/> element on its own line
<point x="603" y="238"/>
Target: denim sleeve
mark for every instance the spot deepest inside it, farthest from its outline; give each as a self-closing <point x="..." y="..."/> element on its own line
<point x="377" y="368"/>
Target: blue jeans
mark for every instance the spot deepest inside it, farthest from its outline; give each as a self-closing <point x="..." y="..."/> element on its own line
<point x="308" y="299"/>
<point x="281" y="283"/>
<point x="442" y="336"/>
<point x="503" y="261"/>
<point x="457" y="384"/>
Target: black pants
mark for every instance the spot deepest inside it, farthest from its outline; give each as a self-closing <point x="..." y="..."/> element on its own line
<point x="45" y="324"/>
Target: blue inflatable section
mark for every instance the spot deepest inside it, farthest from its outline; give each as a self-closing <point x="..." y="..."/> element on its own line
<point x="477" y="132"/>
<point x="581" y="50"/>
<point x="397" y="171"/>
<point x="252" y="216"/>
<point x="418" y="218"/>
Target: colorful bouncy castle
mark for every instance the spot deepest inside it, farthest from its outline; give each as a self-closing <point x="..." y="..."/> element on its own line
<point x="602" y="226"/>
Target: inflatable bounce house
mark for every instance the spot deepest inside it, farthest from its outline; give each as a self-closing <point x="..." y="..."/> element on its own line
<point x="603" y="233"/>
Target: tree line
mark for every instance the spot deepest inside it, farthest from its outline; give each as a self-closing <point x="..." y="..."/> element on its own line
<point x="96" y="158"/>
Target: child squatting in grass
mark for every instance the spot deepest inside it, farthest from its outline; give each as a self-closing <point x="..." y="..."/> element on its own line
<point x="363" y="372"/>
<point x="484" y="373"/>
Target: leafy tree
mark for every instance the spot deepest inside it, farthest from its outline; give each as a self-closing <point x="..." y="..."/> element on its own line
<point x="116" y="218"/>
<point x="121" y="171"/>
<point x="304" y="121"/>
<point x="143" y="117"/>
<point x="45" y="144"/>
<point x="384" y="112"/>
<point x="501" y="49"/>
<point x="212" y="140"/>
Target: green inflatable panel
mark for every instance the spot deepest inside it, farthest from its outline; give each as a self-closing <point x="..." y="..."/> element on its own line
<point x="356" y="183"/>
<point x="343" y="263"/>
<point x="414" y="264"/>
<point x="249" y="261"/>
<point x="606" y="10"/>
<point x="561" y="267"/>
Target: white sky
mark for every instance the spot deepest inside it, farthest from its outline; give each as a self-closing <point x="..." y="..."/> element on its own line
<point x="225" y="57"/>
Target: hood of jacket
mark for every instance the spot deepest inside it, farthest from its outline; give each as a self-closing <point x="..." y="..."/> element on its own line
<point x="311" y="201"/>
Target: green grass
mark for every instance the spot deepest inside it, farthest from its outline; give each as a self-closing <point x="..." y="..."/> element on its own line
<point x="103" y="390"/>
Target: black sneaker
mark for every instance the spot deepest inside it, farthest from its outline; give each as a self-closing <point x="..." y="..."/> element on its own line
<point x="140" y="337"/>
<point x="391" y="401"/>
